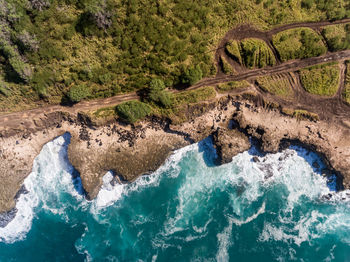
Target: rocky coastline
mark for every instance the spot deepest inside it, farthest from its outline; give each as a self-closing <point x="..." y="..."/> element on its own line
<point x="131" y="151"/>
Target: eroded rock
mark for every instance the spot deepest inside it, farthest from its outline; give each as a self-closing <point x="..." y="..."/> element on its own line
<point x="229" y="143"/>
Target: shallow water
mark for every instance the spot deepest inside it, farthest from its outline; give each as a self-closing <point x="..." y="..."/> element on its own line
<point x="188" y="210"/>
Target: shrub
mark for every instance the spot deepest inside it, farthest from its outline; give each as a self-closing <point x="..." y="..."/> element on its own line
<point x="132" y="111"/>
<point x="234" y="50"/>
<point x="78" y="92"/>
<point x="192" y="75"/>
<point x="256" y="54"/>
<point x="321" y="80"/>
<point x="251" y="52"/>
<point x="41" y="81"/>
<point x="337" y="37"/>
<point x="158" y="95"/>
<point x="298" y="44"/>
<point x="39" y="4"/>
<point x="3" y="89"/>
<point x="226" y="67"/>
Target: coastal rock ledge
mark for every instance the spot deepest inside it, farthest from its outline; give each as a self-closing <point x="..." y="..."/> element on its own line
<point x="131" y="151"/>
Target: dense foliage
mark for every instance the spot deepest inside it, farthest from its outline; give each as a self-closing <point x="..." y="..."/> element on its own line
<point x="337" y="37"/>
<point x="116" y="46"/>
<point x="78" y="92"/>
<point x="252" y="53"/>
<point x="298" y="43"/>
<point x="321" y="80"/>
<point x="132" y="111"/>
<point x="158" y="95"/>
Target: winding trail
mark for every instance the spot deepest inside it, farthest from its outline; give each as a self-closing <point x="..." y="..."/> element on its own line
<point x="325" y="106"/>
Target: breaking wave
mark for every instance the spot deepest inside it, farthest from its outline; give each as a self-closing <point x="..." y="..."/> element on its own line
<point x="272" y="207"/>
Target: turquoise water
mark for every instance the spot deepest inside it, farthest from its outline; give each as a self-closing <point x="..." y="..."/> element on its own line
<point x="188" y="210"/>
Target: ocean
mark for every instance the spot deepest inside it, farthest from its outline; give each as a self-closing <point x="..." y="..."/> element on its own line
<point x="276" y="207"/>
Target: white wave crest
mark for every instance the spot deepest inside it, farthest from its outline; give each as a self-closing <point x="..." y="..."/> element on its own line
<point x="51" y="175"/>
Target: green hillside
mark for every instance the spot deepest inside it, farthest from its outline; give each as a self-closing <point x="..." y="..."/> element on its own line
<point x="100" y="48"/>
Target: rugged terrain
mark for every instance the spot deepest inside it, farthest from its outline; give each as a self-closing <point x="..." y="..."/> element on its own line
<point x="315" y="121"/>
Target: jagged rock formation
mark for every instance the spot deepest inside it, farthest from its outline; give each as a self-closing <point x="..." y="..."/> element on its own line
<point x="131" y="151"/>
<point x="229" y="143"/>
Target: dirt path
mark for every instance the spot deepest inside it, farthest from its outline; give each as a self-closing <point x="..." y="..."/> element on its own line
<point x="326" y="107"/>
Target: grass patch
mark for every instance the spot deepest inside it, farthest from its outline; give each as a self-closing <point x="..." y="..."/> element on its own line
<point x="321" y="80"/>
<point x="193" y="96"/>
<point x="276" y="85"/>
<point x="301" y="114"/>
<point x="337" y="37"/>
<point x="298" y="44"/>
<point x="252" y="53"/>
<point x="229" y="86"/>
<point x="105" y="112"/>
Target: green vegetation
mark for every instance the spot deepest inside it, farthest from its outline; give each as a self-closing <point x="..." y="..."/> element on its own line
<point x="298" y="43"/>
<point x="321" y="80"/>
<point x="133" y="111"/>
<point x="105" y="112"/>
<point x="191" y="75"/>
<point x="193" y="96"/>
<point x="337" y="37"/>
<point x="3" y="89"/>
<point x="233" y="48"/>
<point x="78" y="92"/>
<point x="305" y="115"/>
<point x="277" y="85"/>
<point x="346" y="91"/>
<point x="252" y="53"/>
<point x="226" y="67"/>
<point x="334" y="9"/>
<point x="301" y="114"/>
<point x="158" y="95"/>
<point x="229" y="86"/>
<point x="115" y="46"/>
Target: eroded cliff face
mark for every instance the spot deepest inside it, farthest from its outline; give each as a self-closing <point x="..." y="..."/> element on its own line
<point x="275" y="131"/>
<point x="133" y="151"/>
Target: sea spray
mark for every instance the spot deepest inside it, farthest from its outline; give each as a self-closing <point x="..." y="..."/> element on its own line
<point x="273" y="208"/>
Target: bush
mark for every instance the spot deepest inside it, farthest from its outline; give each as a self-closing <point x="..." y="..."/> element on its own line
<point x="298" y="44"/>
<point x="226" y="67"/>
<point x="41" y="81"/>
<point x="192" y="75"/>
<point x="251" y="52"/>
<point x="132" y="111"/>
<point x="321" y="80"/>
<point x="337" y="37"/>
<point x="3" y="89"/>
<point x="256" y="54"/>
<point x="158" y="95"/>
<point x="78" y="92"/>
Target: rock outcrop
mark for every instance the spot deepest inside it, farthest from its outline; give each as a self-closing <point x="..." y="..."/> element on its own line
<point x="131" y="151"/>
<point x="229" y="143"/>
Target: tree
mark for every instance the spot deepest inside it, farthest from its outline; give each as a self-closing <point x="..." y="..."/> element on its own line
<point x="158" y="95"/>
<point x="78" y="92"/>
<point x="192" y="75"/>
